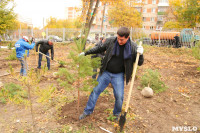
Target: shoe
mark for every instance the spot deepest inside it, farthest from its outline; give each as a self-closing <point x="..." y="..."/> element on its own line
<point x="82" y="116"/>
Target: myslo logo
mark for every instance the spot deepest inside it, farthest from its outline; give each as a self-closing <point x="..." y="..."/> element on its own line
<point x="184" y="128"/>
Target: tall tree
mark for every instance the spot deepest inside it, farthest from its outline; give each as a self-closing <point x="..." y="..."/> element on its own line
<point x="61" y="23"/>
<point x="89" y="11"/>
<point x="186" y="12"/>
<point x="7" y="16"/>
<point x="122" y="14"/>
<point x="88" y="15"/>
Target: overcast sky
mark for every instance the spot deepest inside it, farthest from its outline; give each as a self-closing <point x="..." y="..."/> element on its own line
<point x="36" y="10"/>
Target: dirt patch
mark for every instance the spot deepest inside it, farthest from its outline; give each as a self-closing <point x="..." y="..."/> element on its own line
<point x="179" y="105"/>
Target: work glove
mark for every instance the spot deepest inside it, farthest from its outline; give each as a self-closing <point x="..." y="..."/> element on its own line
<point x="140" y="50"/>
<point x="83" y="53"/>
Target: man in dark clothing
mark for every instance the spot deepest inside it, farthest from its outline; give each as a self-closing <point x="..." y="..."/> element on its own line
<point x="177" y="40"/>
<point x="118" y="62"/>
<point x="45" y="45"/>
<point x="101" y="55"/>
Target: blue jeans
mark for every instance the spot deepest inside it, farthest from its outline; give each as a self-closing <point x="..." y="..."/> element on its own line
<point x="117" y="81"/>
<point x="24" y="66"/>
<point x="40" y="59"/>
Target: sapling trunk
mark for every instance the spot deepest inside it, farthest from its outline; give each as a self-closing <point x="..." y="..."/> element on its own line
<point x="78" y="98"/>
<point x="31" y="106"/>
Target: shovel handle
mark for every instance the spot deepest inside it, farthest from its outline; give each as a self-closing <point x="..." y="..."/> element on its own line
<point x="47" y="56"/>
<point x="132" y="80"/>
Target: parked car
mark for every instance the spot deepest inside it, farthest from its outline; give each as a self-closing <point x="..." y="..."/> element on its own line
<point x="146" y="40"/>
<point x="91" y="40"/>
<point x="55" y="38"/>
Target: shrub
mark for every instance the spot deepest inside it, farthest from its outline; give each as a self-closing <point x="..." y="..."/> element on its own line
<point x="10" y="45"/>
<point x="65" y="78"/>
<point x="12" y="56"/>
<point x="62" y="63"/>
<point x="196" y="50"/>
<point x="152" y="79"/>
<point x="13" y="92"/>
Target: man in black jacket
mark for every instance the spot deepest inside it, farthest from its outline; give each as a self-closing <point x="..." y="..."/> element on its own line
<point x="118" y="62"/>
<point x="45" y="45"/>
<point x="176" y="38"/>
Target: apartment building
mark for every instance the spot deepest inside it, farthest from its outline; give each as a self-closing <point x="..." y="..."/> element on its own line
<point x="71" y="13"/>
<point x="152" y="11"/>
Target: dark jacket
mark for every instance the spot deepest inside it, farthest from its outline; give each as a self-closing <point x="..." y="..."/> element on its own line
<point x="108" y="47"/>
<point x="44" y="47"/>
<point x="102" y="54"/>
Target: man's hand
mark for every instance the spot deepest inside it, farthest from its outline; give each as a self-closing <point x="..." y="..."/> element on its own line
<point x="140" y="50"/>
<point x="32" y="39"/>
<point x="83" y="53"/>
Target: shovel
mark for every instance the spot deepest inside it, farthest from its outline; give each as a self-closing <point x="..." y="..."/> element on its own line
<point x="122" y="119"/>
<point x="48" y="56"/>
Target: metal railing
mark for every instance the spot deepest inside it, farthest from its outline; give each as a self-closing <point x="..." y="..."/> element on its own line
<point x="163" y="38"/>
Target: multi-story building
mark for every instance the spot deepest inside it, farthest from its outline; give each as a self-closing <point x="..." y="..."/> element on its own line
<point x="96" y="28"/>
<point x="71" y="13"/>
<point x="152" y="12"/>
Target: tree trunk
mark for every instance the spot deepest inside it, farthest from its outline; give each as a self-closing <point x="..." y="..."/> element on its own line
<point x="89" y="20"/>
<point x="104" y="9"/>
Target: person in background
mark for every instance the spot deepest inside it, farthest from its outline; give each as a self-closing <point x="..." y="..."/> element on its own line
<point x="176" y="41"/>
<point x="45" y="46"/>
<point x="21" y="46"/>
<point x="117" y="65"/>
<point x="101" y="55"/>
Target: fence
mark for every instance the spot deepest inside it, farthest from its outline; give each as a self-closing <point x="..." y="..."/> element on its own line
<point x="187" y="37"/>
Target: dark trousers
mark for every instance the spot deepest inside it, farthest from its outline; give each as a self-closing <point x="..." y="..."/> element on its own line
<point x="177" y="44"/>
<point x="95" y="73"/>
<point x="40" y="59"/>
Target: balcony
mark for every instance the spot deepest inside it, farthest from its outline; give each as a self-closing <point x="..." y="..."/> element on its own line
<point x="163" y="4"/>
<point x="161" y="13"/>
<point x="159" y="22"/>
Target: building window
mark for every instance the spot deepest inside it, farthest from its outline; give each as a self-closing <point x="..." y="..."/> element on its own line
<point x="152" y="19"/>
<point x="160" y="18"/>
<point x="153" y="1"/>
<point x="151" y="27"/>
<point x="162" y="9"/>
<point x="138" y="1"/>
<point x="153" y="10"/>
<point x="138" y="9"/>
<point x="144" y="10"/>
<point x="144" y="19"/>
<point x="163" y="1"/>
<point x="144" y="27"/>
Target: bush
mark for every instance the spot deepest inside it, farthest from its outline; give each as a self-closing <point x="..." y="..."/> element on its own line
<point x="196" y="50"/>
<point x="10" y="46"/>
<point x="12" y="92"/>
<point x="152" y="79"/>
<point x="65" y="78"/>
<point x="12" y="56"/>
<point x="62" y="63"/>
